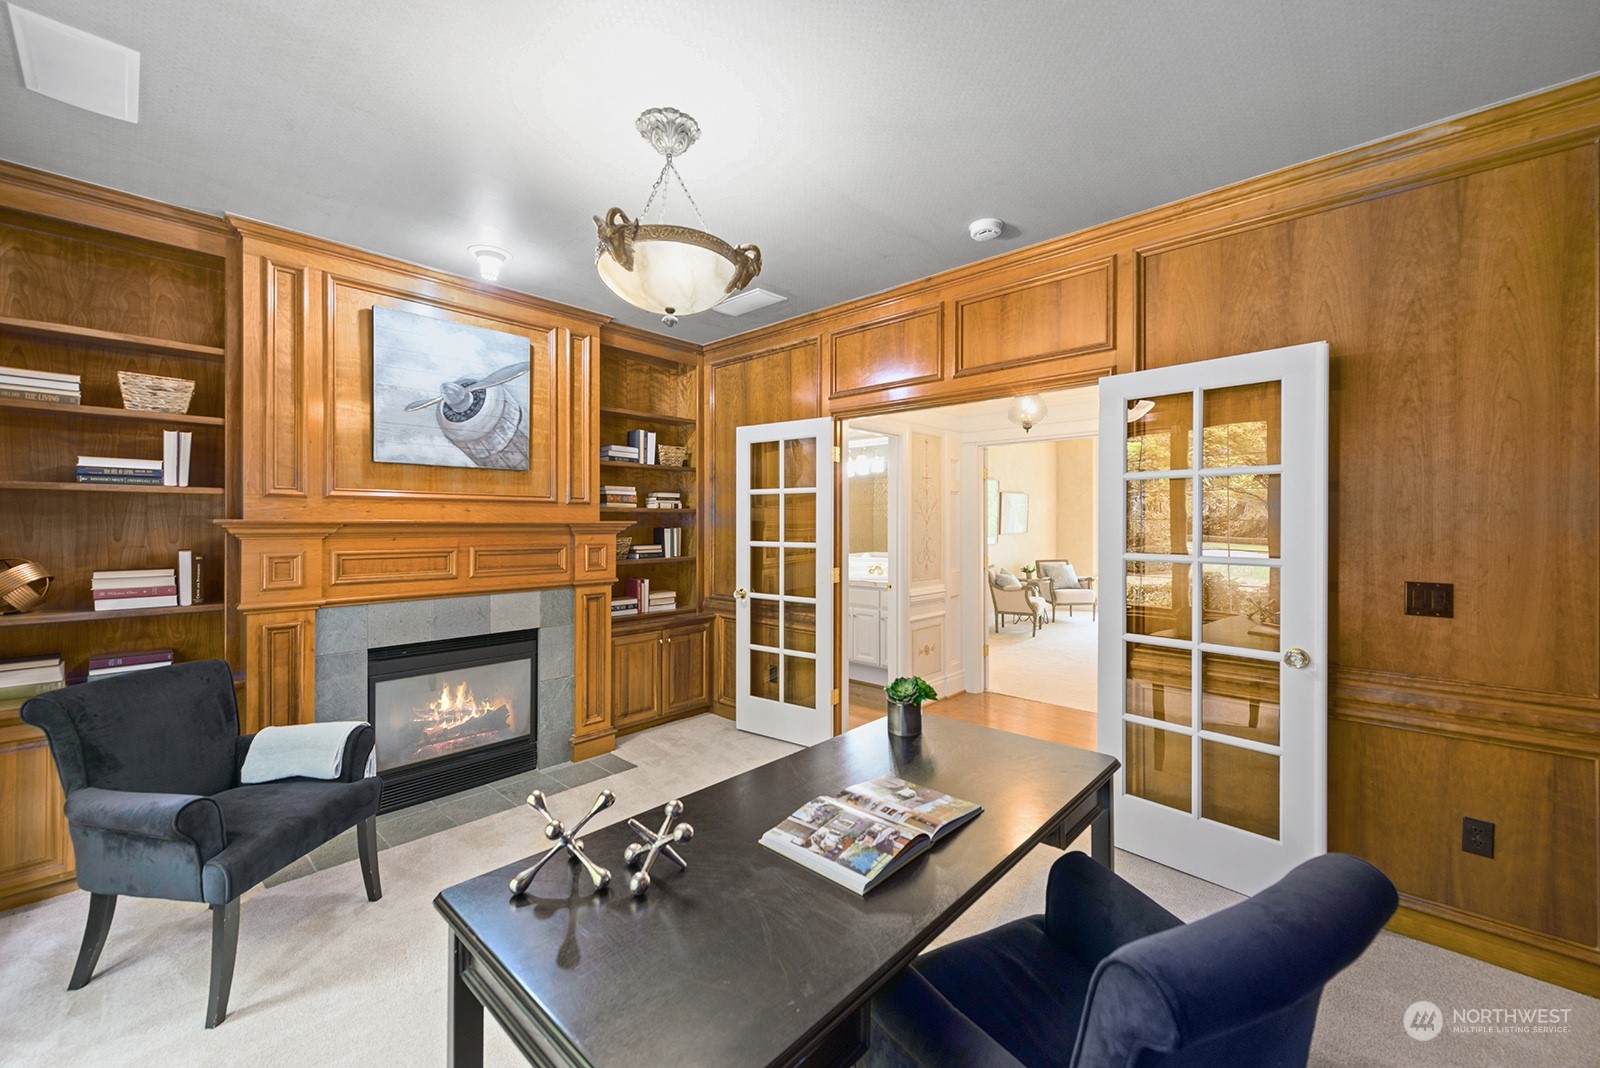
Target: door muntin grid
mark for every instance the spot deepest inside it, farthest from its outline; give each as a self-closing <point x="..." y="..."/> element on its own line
<point x="784" y="584"/>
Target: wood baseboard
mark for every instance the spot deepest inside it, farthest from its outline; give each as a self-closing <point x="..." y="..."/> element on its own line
<point x="1546" y="964"/>
<point x="38" y="893"/>
<point x="593" y="745"/>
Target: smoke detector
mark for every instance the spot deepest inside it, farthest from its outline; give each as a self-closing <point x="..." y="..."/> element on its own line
<point x="986" y="229"/>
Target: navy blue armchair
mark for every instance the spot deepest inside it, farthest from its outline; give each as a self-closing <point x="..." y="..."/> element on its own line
<point x="1107" y="978"/>
<point x="149" y="763"/>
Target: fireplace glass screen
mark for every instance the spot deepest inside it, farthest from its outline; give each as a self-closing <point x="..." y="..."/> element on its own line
<point x="451" y="711"/>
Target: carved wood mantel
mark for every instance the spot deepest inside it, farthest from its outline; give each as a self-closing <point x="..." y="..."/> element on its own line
<point x="289" y="570"/>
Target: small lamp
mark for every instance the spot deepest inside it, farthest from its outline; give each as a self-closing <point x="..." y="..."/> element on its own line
<point x="490" y="260"/>
<point x="1026" y="411"/>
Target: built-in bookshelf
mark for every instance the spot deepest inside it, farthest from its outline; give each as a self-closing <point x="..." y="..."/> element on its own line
<point x="143" y="289"/>
<point x="660" y="666"/>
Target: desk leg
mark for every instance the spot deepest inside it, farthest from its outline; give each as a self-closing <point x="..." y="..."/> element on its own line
<point x="466" y="1014"/>
<point x="1101" y="839"/>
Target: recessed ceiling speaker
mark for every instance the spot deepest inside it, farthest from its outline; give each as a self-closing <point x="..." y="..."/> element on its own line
<point x="986" y="229"/>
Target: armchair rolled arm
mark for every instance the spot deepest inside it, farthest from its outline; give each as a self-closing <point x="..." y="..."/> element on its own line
<point x="1091" y="911"/>
<point x="912" y="1023"/>
<point x="352" y="765"/>
<point x="184" y="818"/>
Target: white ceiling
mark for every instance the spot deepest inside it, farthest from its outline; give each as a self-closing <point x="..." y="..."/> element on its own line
<point x="853" y="140"/>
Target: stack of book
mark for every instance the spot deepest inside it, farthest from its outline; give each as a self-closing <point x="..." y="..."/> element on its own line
<point x="20" y="383"/>
<point x="636" y="590"/>
<point x="644" y="552"/>
<point x="663" y="499"/>
<point x="154" y="587"/>
<point x="22" y="679"/>
<point x="619" y="453"/>
<point x="124" y="470"/>
<point x="670" y="539"/>
<point x="171" y="470"/>
<point x="644" y="443"/>
<point x="662" y="601"/>
<point x="619" y="497"/>
<point x="105" y="664"/>
<point x="624" y="606"/>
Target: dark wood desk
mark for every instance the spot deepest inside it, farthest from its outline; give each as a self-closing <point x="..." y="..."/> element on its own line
<point x="747" y="958"/>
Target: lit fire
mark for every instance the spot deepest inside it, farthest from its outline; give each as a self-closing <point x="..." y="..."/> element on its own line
<point x="455" y="708"/>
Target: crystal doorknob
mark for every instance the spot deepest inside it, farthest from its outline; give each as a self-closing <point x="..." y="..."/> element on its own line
<point x="739" y="593"/>
<point x="1297" y="658"/>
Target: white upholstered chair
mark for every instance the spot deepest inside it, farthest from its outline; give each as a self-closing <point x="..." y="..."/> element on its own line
<point x="1068" y="589"/>
<point x="1013" y="600"/>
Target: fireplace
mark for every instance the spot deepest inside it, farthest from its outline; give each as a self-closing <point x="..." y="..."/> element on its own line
<point x="453" y="714"/>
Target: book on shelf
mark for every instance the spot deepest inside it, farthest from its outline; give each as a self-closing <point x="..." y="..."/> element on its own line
<point x="98" y="478"/>
<point x="866" y="832"/>
<point x="119" y="465"/>
<point x="624" y="606"/>
<point x="129" y="658"/>
<point x="176" y="446"/>
<point x="670" y="540"/>
<point x="644" y="441"/>
<point x="53" y="379"/>
<point x="644" y="552"/>
<point x="619" y="453"/>
<point x="639" y="590"/>
<point x="127" y="604"/>
<point x="27" y="677"/>
<point x="663" y="601"/>
<point x="23" y="691"/>
<point x="123" y="593"/>
<point x="122" y="580"/>
<point x="123" y="669"/>
<point x="46" y="396"/>
<point x="191" y="578"/>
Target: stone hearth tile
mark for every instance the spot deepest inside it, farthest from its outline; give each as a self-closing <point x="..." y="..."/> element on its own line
<point x="514" y="611"/>
<point x="399" y="623"/>
<point x="409" y="824"/>
<point x="518" y="787"/>
<point x="300" y="867"/>
<point x="460" y="617"/>
<point x="576" y="774"/>
<point x="556" y="652"/>
<point x="474" y="804"/>
<point x="555" y="609"/>
<point x="555" y="721"/>
<point x="337" y="851"/>
<point x="611" y="763"/>
<point x="342" y="630"/>
<point x="342" y="686"/>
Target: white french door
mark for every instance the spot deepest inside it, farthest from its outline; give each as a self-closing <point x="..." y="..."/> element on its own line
<point x="784" y="573"/>
<point x="1213" y="637"/>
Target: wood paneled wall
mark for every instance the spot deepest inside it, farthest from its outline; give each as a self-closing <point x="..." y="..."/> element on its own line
<point x="1453" y="272"/>
<point x="321" y="523"/>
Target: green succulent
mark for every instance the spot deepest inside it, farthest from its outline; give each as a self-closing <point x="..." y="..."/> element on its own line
<point x="910" y="691"/>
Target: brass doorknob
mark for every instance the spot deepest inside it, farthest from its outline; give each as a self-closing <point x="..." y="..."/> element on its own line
<point x="1297" y="658"/>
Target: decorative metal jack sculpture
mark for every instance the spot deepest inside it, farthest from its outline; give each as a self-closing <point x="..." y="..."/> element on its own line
<point x="555" y="830"/>
<point x="655" y="842"/>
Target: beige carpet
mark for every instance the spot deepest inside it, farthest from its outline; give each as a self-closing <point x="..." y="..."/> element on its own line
<point x="1056" y="666"/>
<point x="325" y="977"/>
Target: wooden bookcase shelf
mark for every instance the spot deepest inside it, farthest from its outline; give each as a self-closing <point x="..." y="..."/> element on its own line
<point x="92" y="411"/>
<point x="109" y="338"/>
<point x="661" y="663"/>
<point x="108" y="487"/>
<point x="148" y="293"/>
<point x="43" y="617"/>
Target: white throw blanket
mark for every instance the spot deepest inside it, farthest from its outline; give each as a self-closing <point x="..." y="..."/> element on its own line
<point x="311" y="750"/>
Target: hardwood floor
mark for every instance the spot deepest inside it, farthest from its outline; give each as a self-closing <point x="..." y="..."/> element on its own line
<point x="1052" y="723"/>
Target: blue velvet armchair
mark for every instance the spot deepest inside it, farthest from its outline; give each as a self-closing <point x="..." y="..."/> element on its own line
<point x="149" y="763"/>
<point x="1107" y="978"/>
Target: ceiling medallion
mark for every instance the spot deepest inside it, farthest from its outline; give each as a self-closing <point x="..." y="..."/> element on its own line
<point x="674" y="270"/>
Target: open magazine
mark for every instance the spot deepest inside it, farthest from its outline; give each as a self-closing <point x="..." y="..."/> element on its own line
<point x="866" y="832"/>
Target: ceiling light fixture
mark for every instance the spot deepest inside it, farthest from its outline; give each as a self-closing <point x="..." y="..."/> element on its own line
<point x="1140" y="409"/>
<point x="490" y="260"/>
<point x="673" y="270"/>
<point x="1026" y="411"/>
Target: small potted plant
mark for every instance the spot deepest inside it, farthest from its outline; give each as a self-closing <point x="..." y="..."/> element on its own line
<point x="905" y="704"/>
<point x="1027" y="571"/>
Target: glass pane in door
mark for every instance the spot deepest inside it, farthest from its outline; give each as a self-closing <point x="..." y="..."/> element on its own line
<point x="1158" y="599"/>
<point x="1160" y="439"/>
<point x="1158" y="766"/>
<point x="763" y="465"/>
<point x="1240" y="515"/>
<point x="764" y="674"/>
<point x="800" y="626"/>
<point x="1239" y="787"/>
<point x="763" y="569"/>
<point x="1241" y="426"/>
<point x="800" y="463"/>
<point x="764" y="516"/>
<point x="1239" y="697"/>
<point x="1159" y="511"/>
<point x="1159" y="683"/>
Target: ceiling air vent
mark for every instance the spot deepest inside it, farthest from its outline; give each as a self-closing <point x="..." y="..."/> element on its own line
<point x="748" y="301"/>
<point x="74" y="67"/>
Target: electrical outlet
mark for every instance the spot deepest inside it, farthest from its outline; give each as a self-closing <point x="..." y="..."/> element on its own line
<point x="1477" y="836"/>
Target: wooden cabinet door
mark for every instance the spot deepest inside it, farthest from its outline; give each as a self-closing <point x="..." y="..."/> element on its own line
<point x="35" y="853"/>
<point x="635" y="676"/>
<point x="685" y="669"/>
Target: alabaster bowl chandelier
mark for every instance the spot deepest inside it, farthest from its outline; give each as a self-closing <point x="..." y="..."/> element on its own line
<point x="663" y="268"/>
